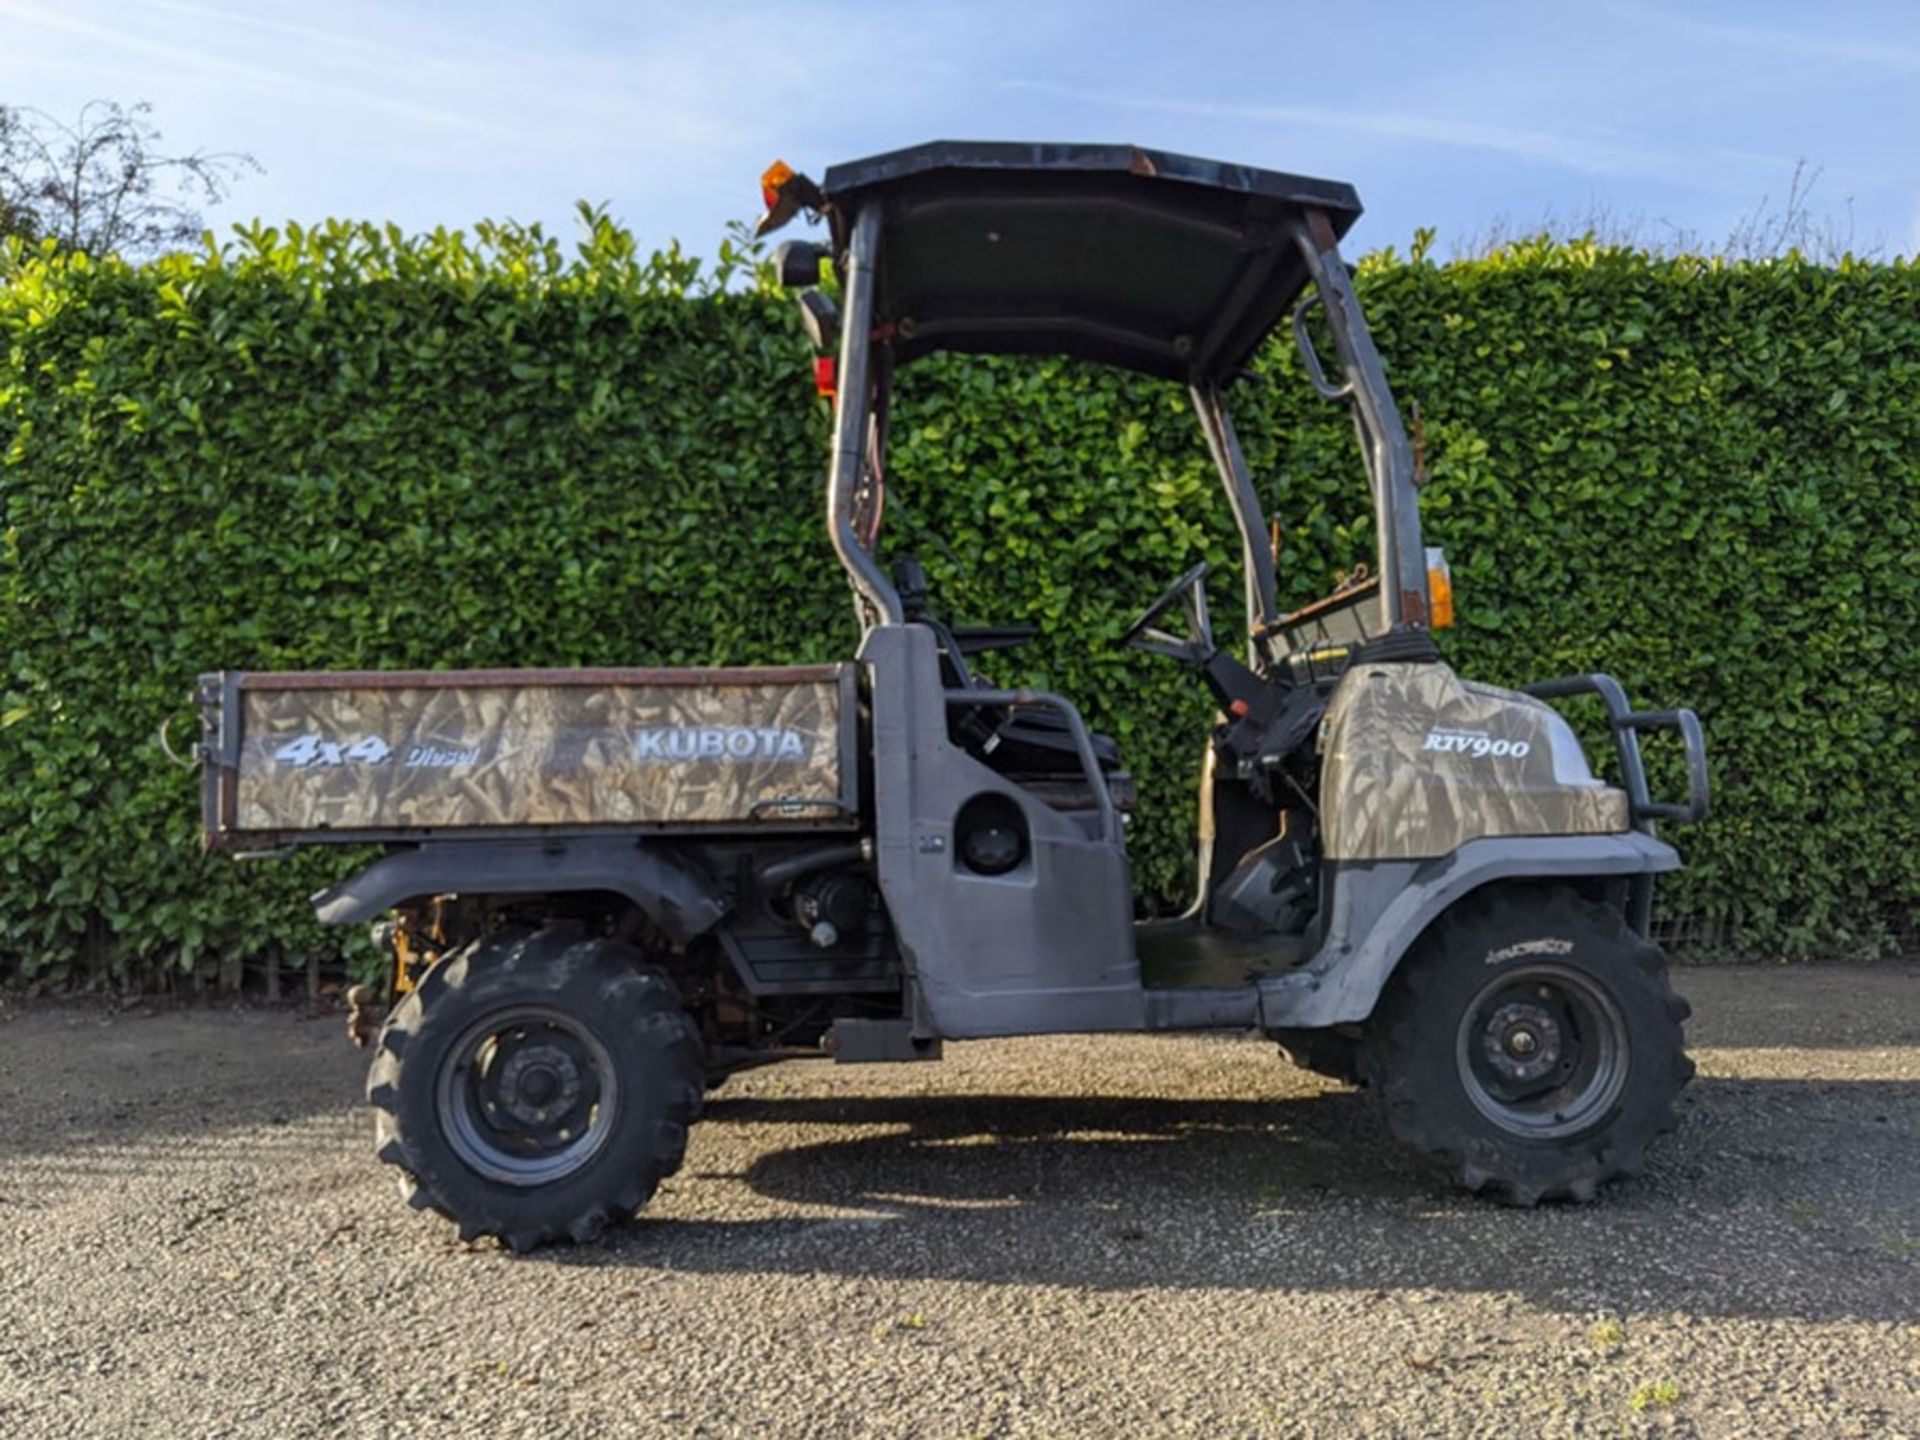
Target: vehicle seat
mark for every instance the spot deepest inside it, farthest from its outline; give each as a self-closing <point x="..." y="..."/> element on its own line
<point x="1016" y="740"/>
<point x="1032" y="739"/>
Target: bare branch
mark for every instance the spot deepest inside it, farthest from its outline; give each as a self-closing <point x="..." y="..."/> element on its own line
<point x="103" y="184"/>
<point x="1768" y="231"/>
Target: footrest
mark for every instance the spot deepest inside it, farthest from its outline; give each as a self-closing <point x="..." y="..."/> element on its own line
<point x="877" y="1042"/>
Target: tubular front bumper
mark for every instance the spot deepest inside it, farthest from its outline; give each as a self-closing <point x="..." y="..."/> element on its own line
<point x="1626" y="724"/>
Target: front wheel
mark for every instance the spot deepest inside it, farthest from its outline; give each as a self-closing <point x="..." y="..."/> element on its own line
<point x="1323" y="1052"/>
<point x="536" y="1085"/>
<point x="1530" y="1045"/>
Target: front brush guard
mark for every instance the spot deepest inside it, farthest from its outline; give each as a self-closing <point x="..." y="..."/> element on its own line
<point x="1626" y="723"/>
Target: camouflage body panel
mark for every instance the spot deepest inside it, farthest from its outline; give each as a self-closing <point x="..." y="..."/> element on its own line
<point x="365" y="754"/>
<point x="1415" y="762"/>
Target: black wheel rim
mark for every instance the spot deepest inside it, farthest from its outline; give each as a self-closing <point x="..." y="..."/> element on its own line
<point x="1542" y="1052"/>
<point x="527" y="1096"/>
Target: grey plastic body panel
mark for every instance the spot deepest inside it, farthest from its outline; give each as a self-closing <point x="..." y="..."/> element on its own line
<point x="1045" y="949"/>
<point x="1380" y="908"/>
<point x="1225" y="1008"/>
<point x="674" y="896"/>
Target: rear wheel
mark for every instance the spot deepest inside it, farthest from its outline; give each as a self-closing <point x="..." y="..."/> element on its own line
<point x="1530" y="1045"/>
<point x="536" y="1086"/>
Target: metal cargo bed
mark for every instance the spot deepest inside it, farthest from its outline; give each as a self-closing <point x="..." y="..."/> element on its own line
<point x="314" y="757"/>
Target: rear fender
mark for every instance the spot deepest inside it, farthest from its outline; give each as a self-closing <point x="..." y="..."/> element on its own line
<point x="674" y="894"/>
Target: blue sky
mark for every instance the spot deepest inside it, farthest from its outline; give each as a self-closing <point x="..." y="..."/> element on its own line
<point x="1450" y="114"/>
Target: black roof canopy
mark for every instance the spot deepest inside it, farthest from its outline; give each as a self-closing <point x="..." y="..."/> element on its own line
<point x="1161" y="263"/>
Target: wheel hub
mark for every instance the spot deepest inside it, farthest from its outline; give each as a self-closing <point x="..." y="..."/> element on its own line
<point x="527" y="1095"/>
<point x="1522" y="1042"/>
<point x="1542" y="1051"/>
<point x="538" y="1085"/>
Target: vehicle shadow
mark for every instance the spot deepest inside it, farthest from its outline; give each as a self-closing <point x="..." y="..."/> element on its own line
<point x="1774" y="1199"/>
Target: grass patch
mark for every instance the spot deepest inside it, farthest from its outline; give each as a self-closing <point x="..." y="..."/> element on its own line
<point x="1654" y="1395"/>
<point x="916" y="1321"/>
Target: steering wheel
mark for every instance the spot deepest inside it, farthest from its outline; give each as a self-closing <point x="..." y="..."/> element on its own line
<point x="1144" y="633"/>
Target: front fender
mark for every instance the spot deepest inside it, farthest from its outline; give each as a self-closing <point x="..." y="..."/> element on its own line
<point x="674" y="895"/>
<point x="1380" y="908"/>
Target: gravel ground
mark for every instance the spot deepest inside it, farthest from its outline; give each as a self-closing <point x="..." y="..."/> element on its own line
<point x="1131" y="1236"/>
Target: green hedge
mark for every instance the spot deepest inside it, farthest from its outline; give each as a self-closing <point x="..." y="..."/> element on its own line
<point x="342" y="447"/>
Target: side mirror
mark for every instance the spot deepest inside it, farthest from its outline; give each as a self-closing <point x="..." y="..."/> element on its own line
<point x="821" y="319"/>
<point x="798" y="262"/>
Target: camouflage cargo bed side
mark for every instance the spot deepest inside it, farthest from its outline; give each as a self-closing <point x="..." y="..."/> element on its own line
<point x="371" y="755"/>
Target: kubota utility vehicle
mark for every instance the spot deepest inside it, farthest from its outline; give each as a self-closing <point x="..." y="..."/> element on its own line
<point x="607" y="888"/>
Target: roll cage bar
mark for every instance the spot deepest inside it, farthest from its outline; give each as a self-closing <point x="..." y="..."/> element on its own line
<point x="863" y="389"/>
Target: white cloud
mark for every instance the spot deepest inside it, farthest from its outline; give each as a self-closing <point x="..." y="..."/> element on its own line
<point x="1831" y="45"/>
<point x="1597" y="154"/>
<point x="378" y="106"/>
<point x="278" y="79"/>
